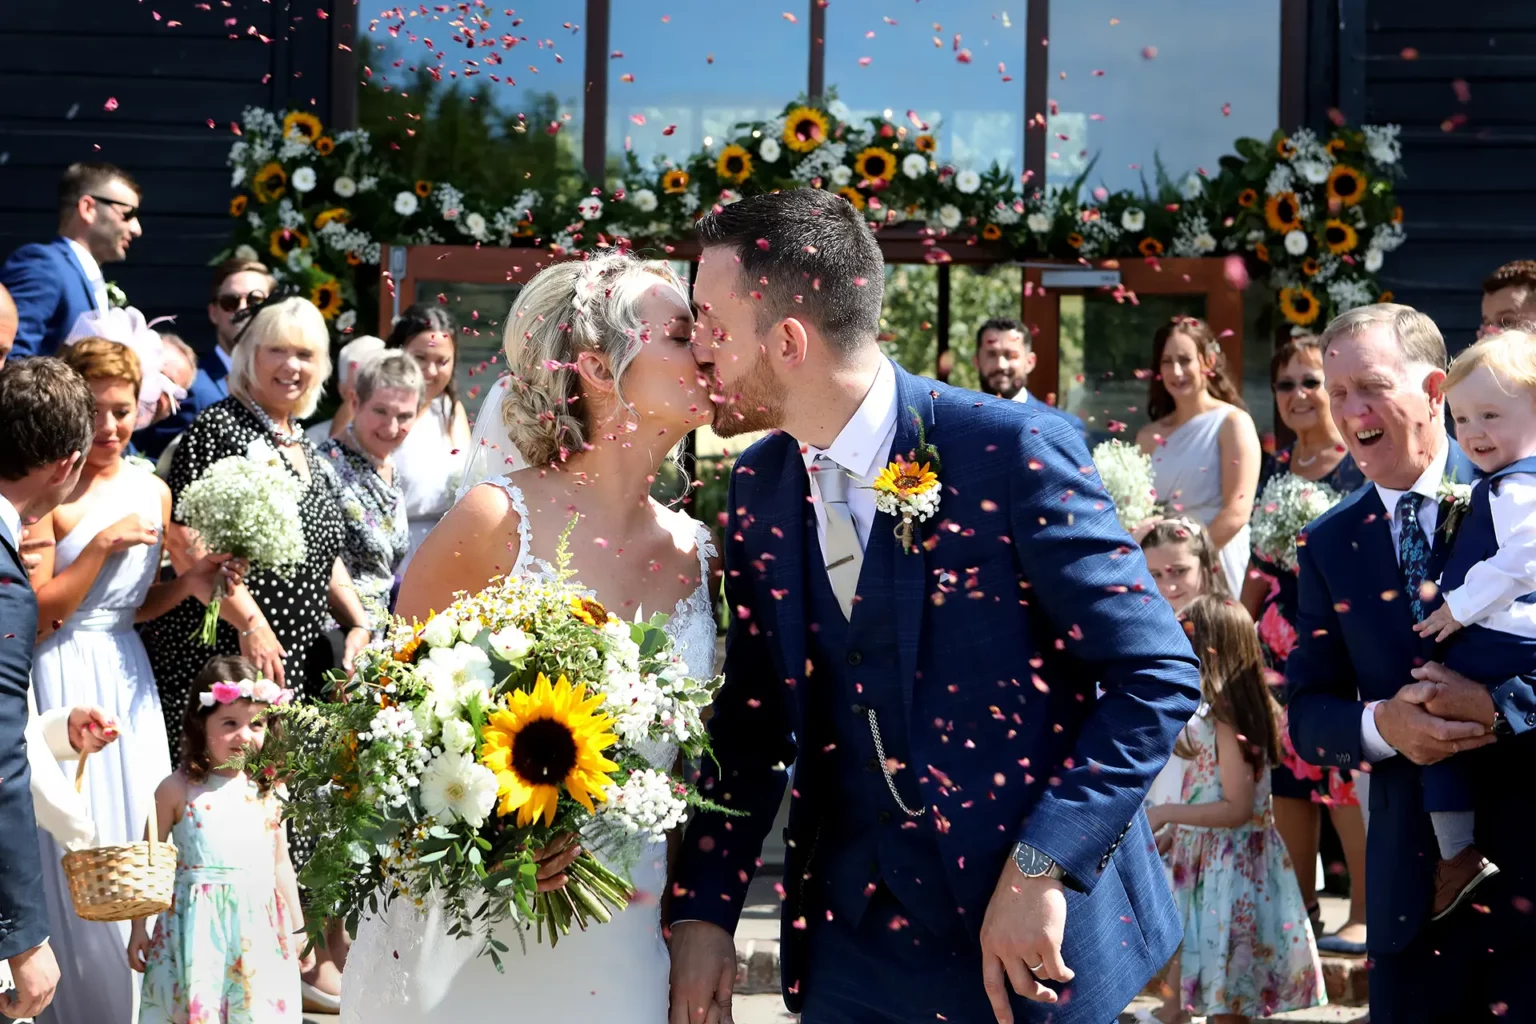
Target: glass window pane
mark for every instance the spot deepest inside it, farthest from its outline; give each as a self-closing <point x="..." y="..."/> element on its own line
<point x="1104" y="344"/>
<point x="1180" y="79"/>
<point x="480" y="310"/>
<point x="699" y="71"/>
<point x="480" y="116"/>
<point x="941" y="63"/>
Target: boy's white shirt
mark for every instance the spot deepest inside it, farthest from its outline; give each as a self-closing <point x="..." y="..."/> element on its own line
<point x="59" y="810"/>
<point x="1487" y="596"/>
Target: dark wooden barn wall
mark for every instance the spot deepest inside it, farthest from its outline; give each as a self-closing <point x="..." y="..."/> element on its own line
<point x="61" y="63"/>
<point x="1470" y="186"/>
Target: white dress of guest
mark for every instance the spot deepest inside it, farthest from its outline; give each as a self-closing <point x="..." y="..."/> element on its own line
<point x="428" y="467"/>
<point x="1186" y="473"/>
<point x="97" y="658"/>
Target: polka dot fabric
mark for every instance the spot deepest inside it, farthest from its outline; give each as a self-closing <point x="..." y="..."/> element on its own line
<point x="296" y="606"/>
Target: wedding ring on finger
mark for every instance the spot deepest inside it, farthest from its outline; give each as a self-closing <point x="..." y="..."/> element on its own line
<point x="1035" y="969"/>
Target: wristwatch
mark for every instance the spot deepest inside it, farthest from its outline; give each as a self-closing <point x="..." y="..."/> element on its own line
<point x="1501" y="727"/>
<point x="1034" y="864"/>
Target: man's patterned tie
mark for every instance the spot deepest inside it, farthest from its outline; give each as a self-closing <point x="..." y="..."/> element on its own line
<point x="1412" y="551"/>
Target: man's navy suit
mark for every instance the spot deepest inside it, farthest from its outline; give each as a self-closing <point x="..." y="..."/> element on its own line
<point x="23" y="916"/>
<point x="979" y="653"/>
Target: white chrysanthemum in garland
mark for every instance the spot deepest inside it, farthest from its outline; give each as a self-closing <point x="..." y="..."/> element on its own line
<point x="648" y="803"/>
<point x="346" y="321"/>
<point x="406" y="203"/>
<point x="474" y="225"/>
<point x="949" y="215"/>
<point x="968" y="182"/>
<point x="1133" y="219"/>
<point x="304" y="179"/>
<point x="644" y="200"/>
<point x="914" y="165"/>
<point x="1373" y="260"/>
<point x="1296" y="242"/>
<point x="1039" y="223"/>
<point x="1283" y="511"/>
<point x="1126" y="471"/>
<point x="246" y="508"/>
<point x="454" y="675"/>
<point x="590" y="208"/>
<point x="769" y="150"/>
<point x="841" y="175"/>
<point x="1381" y="143"/>
<point x="1193" y="187"/>
<point x="455" y="787"/>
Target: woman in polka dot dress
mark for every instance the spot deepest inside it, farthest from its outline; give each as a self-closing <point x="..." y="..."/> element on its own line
<point x="279" y="365"/>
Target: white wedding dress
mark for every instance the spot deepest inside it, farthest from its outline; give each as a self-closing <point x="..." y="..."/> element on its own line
<point x="404" y="968"/>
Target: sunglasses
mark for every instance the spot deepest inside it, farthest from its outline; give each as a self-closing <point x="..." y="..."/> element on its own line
<point x="128" y="212"/>
<point x="1285" y="386"/>
<point x="230" y="301"/>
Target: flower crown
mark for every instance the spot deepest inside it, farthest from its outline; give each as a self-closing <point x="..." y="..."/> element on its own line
<point x="262" y="691"/>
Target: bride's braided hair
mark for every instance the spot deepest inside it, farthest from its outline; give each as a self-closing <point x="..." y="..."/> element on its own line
<point x="590" y="305"/>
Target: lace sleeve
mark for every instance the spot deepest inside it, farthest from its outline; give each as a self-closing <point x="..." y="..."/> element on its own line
<point x="524" y="531"/>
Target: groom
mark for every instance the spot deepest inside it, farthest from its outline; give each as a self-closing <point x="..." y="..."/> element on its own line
<point x="965" y="814"/>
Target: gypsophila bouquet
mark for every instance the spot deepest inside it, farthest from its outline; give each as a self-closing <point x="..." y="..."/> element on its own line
<point x="471" y="742"/>
<point x="249" y="508"/>
<point x="1283" y="511"/>
<point x="1127" y="474"/>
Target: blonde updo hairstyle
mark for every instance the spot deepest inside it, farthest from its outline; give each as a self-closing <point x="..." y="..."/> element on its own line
<point x="590" y="305"/>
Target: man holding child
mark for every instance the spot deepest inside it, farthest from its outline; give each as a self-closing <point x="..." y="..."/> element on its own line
<point x="1452" y="922"/>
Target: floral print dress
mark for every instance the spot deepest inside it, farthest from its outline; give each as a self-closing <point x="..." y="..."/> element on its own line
<point x="1248" y="946"/>
<point x="224" y="953"/>
<point x="377" y="529"/>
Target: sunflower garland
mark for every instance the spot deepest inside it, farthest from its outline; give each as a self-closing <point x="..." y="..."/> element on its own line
<point x="269" y="183"/>
<point x="854" y="196"/>
<point x="301" y="126"/>
<point x="286" y="240"/>
<point x="925" y="144"/>
<point x="1283" y="212"/>
<point x="326" y="295"/>
<point x="805" y="128"/>
<point x="1340" y="237"/>
<point x="1299" y="306"/>
<point x="1150" y="247"/>
<point x="674" y="182"/>
<point x="237" y="206"/>
<point x="335" y="213"/>
<point x="875" y="164"/>
<point x="325" y="145"/>
<point x="541" y="743"/>
<point x="1345" y="185"/>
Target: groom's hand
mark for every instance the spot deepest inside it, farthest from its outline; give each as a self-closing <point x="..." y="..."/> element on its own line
<point x="703" y="973"/>
<point x="1025" y="921"/>
<point x="1456" y="697"/>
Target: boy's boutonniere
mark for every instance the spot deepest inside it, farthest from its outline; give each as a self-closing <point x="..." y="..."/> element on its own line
<point x="1455" y="499"/>
<point x="908" y="488"/>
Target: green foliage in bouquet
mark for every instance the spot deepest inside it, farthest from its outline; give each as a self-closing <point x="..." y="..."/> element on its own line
<point x="465" y="745"/>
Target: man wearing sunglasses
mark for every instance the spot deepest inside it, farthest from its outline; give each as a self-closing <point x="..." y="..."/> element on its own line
<point x="53" y="283"/>
<point x="239" y="285"/>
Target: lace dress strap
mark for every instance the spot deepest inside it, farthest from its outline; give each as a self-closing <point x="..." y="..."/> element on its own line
<point x="524" y="531"/>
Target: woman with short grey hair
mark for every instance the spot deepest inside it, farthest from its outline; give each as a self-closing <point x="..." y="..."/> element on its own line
<point x="387" y="390"/>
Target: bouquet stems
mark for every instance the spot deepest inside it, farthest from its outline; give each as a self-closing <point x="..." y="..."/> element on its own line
<point x="209" y="634"/>
<point x="589" y="891"/>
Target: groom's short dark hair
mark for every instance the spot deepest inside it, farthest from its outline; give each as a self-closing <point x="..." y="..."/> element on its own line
<point x="47" y="413"/>
<point x="810" y="255"/>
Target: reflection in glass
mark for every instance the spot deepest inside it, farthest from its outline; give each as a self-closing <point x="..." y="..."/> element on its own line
<point x="698" y="70"/>
<point x="1104" y="344"/>
<point x="958" y="66"/>
<point x="1180" y="79"/>
<point x="480" y="310"/>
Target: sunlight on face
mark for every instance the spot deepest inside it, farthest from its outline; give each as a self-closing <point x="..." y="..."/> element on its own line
<point x="1299" y="392"/>
<point x="1495" y="420"/>
<point x="746" y="393"/>
<point x="117" y="408"/>
<point x="433" y="352"/>
<point x="284" y="372"/>
<point x="234" y="727"/>
<point x="1388" y="410"/>
<point x="1004" y="362"/>
<point x="1176" y="571"/>
<point x="382" y="422"/>
<point x="667" y="396"/>
<point x="1181" y="369"/>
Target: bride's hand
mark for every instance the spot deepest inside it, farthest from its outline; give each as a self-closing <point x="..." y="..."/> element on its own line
<point x="554" y="859"/>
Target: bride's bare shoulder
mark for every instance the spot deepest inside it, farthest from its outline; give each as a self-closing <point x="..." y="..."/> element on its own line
<point x="476" y="541"/>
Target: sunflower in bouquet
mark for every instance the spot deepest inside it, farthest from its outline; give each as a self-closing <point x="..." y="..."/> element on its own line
<point x="468" y="743"/>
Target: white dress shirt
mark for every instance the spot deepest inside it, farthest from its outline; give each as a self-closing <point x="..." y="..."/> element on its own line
<point x="224" y="357"/>
<point x="1372" y="746"/>
<point x="862" y="448"/>
<point x="92" y="274"/>
<point x="10" y="521"/>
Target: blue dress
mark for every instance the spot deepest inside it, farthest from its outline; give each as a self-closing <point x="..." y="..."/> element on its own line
<point x="225" y="952"/>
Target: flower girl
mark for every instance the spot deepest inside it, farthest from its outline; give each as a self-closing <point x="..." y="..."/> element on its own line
<point x="228" y="949"/>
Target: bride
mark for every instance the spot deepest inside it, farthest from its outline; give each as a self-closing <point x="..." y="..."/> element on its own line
<point x="602" y="386"/>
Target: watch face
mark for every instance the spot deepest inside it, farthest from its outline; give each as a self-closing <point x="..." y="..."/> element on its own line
<point x="1030" y="860"/>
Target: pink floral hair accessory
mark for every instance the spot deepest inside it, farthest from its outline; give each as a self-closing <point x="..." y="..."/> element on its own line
<point x="262" y="691"/>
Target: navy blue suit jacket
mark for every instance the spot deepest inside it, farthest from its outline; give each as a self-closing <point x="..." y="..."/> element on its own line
<point x="1356" y="644"/>
<point x="51" y="291"/>
<point x="1072" y="418"/>
<point x="23" y="916"/>
<point x="209" y="386"/>
<point x="1025" y="594"/>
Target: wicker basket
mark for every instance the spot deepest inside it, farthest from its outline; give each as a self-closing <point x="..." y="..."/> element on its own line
<point x="121" y="883"/>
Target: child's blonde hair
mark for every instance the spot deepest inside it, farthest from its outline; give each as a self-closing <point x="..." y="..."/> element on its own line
<point x="1511" y="355"/>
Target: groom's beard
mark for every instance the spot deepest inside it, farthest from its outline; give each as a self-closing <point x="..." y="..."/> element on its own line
<point x="756" y="404"/>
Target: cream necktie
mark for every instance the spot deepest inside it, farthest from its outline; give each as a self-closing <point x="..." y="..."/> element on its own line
<point x="844" y="554"/>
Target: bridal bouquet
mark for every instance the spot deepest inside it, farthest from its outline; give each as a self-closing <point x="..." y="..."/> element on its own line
<point x="1283" y="511"/>
<point x="248" y="508"/>
<point x="467" y="744"/>
<point x="1127" y="474"/>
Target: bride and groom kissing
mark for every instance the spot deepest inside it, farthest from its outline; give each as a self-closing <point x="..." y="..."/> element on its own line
<point x="924" y="587"/>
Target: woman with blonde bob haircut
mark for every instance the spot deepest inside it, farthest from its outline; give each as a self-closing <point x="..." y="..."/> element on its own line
<point x="602" y="385"/>
<point x="284" y="342"/>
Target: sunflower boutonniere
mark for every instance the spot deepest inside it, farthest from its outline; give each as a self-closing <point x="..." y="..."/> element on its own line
<point x="1455" y="499"/>
<point x="908" y="488"/>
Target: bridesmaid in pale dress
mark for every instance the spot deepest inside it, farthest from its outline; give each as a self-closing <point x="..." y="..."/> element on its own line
<point x="430" y="462"/>
<point x="1204" y="447"/>
<point x="96" y="581"/>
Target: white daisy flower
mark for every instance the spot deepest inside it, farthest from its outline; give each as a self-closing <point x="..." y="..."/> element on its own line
<point x="1373" y="260"/>
<point x="643" y="199"/>
<point x="949" y="215"/>
<point x="406" y="203"/>
<point x="914" y="165"/>
<point x="1296" y="243"/>
<point x="304" y="179"/>
<point x="474" y="223"/>
<point x="1133" y="219"/>
<point x="344" y="187"/>
<point x="769" y="150"/>
<point x="346" y="321"/>
<point x="1194" y="187"/>
<point x="968" y="181"/>
<point x="590" y="208"/>
<point x="1039" y="223"/>
<point x="457" y="788"/>
<point x="841" y="175"/>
